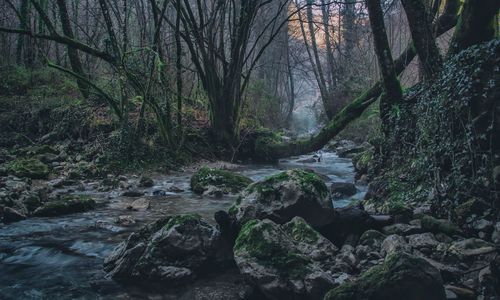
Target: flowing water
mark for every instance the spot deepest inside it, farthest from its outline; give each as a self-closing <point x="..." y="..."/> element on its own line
<point x="62" y="257"/>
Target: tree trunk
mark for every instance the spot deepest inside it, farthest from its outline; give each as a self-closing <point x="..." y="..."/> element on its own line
<point x="74" y="59"/>
<point x="392" y="89"/>
<point x="476" y="24"/>
<point x="423" y="38"/>
<point x="354" y="109"/>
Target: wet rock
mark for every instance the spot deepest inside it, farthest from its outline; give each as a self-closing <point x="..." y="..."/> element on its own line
<point x="175" y="189"/>
<point x="422" y="240"/>
<point x="283" y="196"/>
<point x="141" y="204"/>
<point x="434" y="225"/>
<point x="67" y="204"/>
<point x="482" y="225"/>
<point x="133" y="193"/>
<point x="125" y="220"/>
<point x="228" y="182"/>
<point x="470" y="247"/>
<point x="401" y="229"/>
<point x="146" y="182"/>
<point x="173" y="250"/>
<point x="342" y="189"/>
<point x="11" y="215"/>
<point x="349" y="224"/>
<point x="278" y="259"/>
<point x="471" y="209"/>
<point x="372" y="239"/>
<point x="28" y="167"/>
<point x="495" y="236"/>
<point x="401" y="276"/>
<point x="456" y="292"/>
<point x="394" y="243"/>
<point x="214" y="191"/>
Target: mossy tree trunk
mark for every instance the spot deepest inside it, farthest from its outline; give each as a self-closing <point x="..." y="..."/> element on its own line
<point x="392" y="89"/>
<point x="476" y="24"/>
<point x="271" y="152"/>
<point x="74" y="58"/>
<point x="423" y="37"/>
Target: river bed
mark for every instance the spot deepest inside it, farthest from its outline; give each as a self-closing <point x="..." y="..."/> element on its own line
<point x="62" y="257"/>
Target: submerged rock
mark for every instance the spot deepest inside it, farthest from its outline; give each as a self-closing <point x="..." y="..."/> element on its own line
<point x="289" y="261"/>
<point x="401" y="276"/>
<point x="65" y="205"/>
<point x="140" y="204"/>
<point x="226" y="181"/>
<point x="11" y="215"/>
<point x="146" y="182"/>
<point x="342" y="189"/>
<point x="173" y="250"/>
<point x="284" y="196"/>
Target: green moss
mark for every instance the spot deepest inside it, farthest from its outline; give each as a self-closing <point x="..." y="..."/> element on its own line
<point x="37" y="150"/>
<point x="66" y="205"/>
<point x="252" y="239"/>
<point x="378" y="281"/>
<point x="29" y="167"/>
<point x="300" y="231"/>
<point x="264" y="144"/>
<point x="228" y="181"/>
<point x="233" y="210"/>
<point x="182" y="219"/>
<point x="437" y="225"/>
<point x="310" y="182"/>
<point x="370" y="237"/>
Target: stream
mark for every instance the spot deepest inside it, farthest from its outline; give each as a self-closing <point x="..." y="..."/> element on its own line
<point x="62" y="257"/>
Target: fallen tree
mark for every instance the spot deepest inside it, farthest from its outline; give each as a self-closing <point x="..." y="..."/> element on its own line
<point x="269" y="149"/>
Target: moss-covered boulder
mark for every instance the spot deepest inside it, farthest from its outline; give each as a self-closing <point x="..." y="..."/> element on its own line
<point x="434" y="225"/>
<point x="173" y="250"/>
<point x="28" y="167"/>
<point x="283" y="196"/>
<point x="401" y="276"/>
<point x="289" y="261"/>
<point x="226" y="181"/>
<point x="68" y="204"/>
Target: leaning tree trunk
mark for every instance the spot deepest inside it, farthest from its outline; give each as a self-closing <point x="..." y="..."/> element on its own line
<point x="476" y="24"/>
<point x="391" y="86"/>
<point x="74" y="58"/>
<point x="423" y="38"/>
<point x="274" y="151"/>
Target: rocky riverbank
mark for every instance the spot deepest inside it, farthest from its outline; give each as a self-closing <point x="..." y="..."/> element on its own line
<point x="288" y="242"/>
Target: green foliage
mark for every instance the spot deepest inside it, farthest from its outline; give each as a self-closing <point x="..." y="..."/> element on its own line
<point x="442" y="135"/>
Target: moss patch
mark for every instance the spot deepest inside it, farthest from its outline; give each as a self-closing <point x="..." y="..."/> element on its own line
<point x="300" y="231"/>
<point x="28" y="167"/>
<point x="310" y="182"/>
<point x="66" y="205"/>
<point x="228" y="181"/>
<point x="383" y="281"/>
<point x="254" y="239"/>
<point x="182" y="219"/>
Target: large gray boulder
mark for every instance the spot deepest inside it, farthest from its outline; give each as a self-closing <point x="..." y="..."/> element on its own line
<point x="401" y="276"/>
<point x="173" y="250"/>
<point x="290" y="261"/>
<point x="283" y="196"/>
